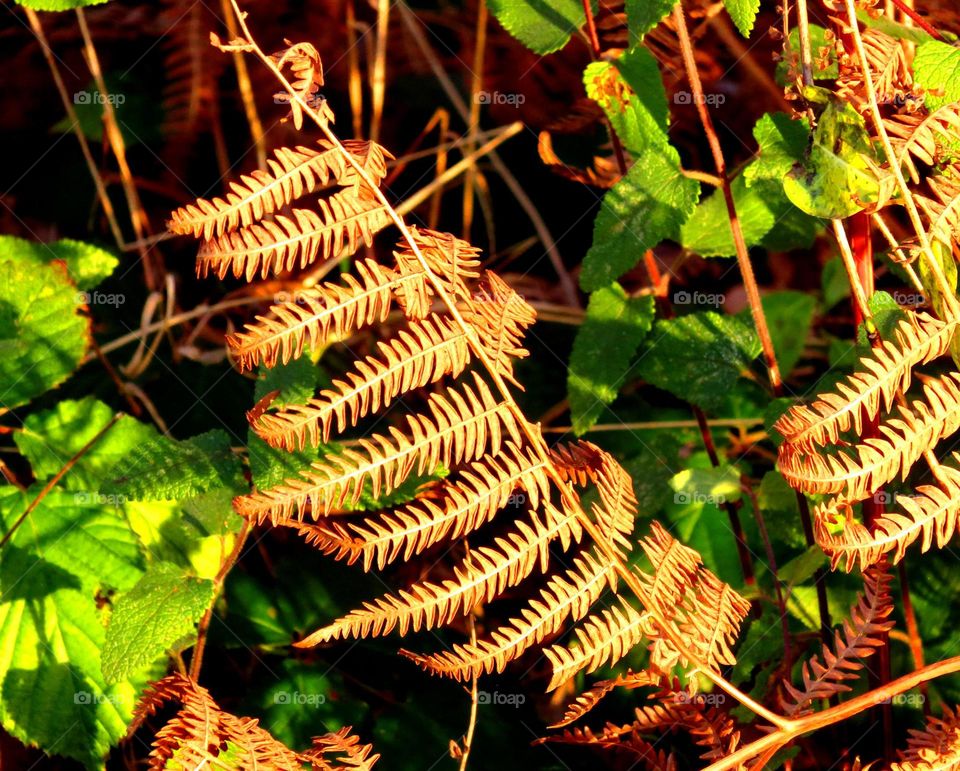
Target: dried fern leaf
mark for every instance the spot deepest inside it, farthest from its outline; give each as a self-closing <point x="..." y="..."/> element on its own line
<point x="604" y="637"/>
<point x="626" y="741"/>
<point x="887" y="371"/>
<point x="321" y="315"/>
<point x="451" y="259"/>
<point x="589" y="699"/>
<point x="899" y="443"/>
<point x="346" y="220"/>
<point x="460" y="427"/>
<point x="425" y="353"/>
<point x="500" y="317"/>
<point x="921" y="137"/>
<point x="201" y="735"/>
<point x="862" y="636"/>
<point x="713" y="623"/>
<point x="483" y="575"/>
<point x="942" y="211"/>
<point x="291" y="174"/>
<point x="568" y="595"/>
<point x="459" y="507"/>
<point x="936" y="748"/>
<point x="930" y="514"/>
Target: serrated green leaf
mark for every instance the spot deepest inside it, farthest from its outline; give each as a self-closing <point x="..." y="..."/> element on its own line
<point x="644" y="15"/>
<point x="708" y="232"/>
<point x="782" y="142"/>
<point x="87" y="265"/>
<point x="835" y="180"/>
<point x="936" y="68"/>
<point x="43" y="336"/>
<point x="57" y="564"/>
<point x="606" y="342"/>
<point x="162" y="608"/>
<point x="58" y="5"/>
<point x="743" y="13"/>
<point x="167" y="469"/>
<point x="49" y="439"/>
<point x="648" y="205"/>
<point x="698" y="357"/>
<point x="543" y="27"/>
<point x="630" y="91"/>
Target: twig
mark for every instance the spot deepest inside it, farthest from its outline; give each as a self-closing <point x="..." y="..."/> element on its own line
<point x="379" y="79"/>
<point x="473" y="126"/>
<point x="57" y="477"/>
<point x="803" y="32"/>
<point x="919" y="20"/>
<point x="474" y="699"/>
<point x="246" y="90"/>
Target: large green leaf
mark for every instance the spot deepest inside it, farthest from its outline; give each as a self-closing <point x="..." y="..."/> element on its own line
<point x="782" y="142"/>
<point x="644" y="15"/>
<point x="835" y="180"/>
<point x="161" y="609"/>
<point x="87" y="265"/>
<point x="61" y="561"/>
<point x="49" y="439"/>
<point x="936" y="67"/>
<point x="43" y="336"/>
<point x="698" y="357"/>
<point x="613" y="328"/>
<point x="543" y="26"/>
<point x="649" y="204"/>
<point x="166" y="469"/>
<point x="789" y="316"/>
<point x="58" y="5"/>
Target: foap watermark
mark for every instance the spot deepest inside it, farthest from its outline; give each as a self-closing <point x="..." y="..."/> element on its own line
<point x="704" y="699"/>
<point x="96" y="97"/>
<point x="500" y="97"/>
<point x="499" y="698"/>
<point x="88" y="698"/>
<point x="299" y="698"/>
<point x="516" y="500"/>
<point x="711" y="100"/>
<point x="904" y="700"/>
<point x="688" y="497"/>
<point x="910" y="299"/>
<point x="99" y="499"/>
<point x="699" y="298"/>
<point x="100" y="298"/>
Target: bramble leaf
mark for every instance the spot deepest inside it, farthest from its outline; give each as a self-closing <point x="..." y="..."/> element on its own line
<point x="87" y="265"/>
<point x="743" y="13"/>
<point x="543" y="27"/>
<point x="936" y="67"/>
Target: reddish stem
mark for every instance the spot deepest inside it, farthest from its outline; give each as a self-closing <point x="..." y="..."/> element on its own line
<point x="918" y="20"/>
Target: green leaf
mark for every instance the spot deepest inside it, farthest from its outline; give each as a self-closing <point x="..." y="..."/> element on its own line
<point x="824" y="62"/>
<point x="644" y="15"/>
<point x="543" y="26"/>
<point x="698" y="357"/>
<point x="613" y="328"/>
<point x="789" y="317"/>
<point x="161" y="609"/>
<point x="708" y="231"/>
<point x="49" y="439"/>
<point x="630" y="91"/>
<point x="833" y="283"/>
<point x="743" y="13"/>
<point x="52" y="572"/>
<point x="58" y="5"/>
<point x="886" y="312"/>
<point x="936" y="68"/>
<point x="835" y="180"/>
<point x="648" y="205"/>
<point x="43" y="337"/>
<point x="167" y="469"/>
<point x="87" y="265"/>
<point x="782" y="142"/>
<point x="707" y="485"/>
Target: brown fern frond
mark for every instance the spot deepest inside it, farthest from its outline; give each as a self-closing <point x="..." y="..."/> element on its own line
<point x="293" y="173"/>
<point x="568" y="595"/>
<point x="886" y="60"/>
<point x="500" y="317"/>
<point x="321" y="315"/>
<point x="930" y="514"/>
<point x="589" y="699"/>
<point x="460" y="427"/>
<point x="604" y="637"/>
<point x="426" y="352"/>
<point x="347" y="219"/>
<point x="451" y="259"/>
<point x="887" y="371"/>
<point x="862" y="636"/>
<point x="713" y="622"/>
<point x="306" y="76"/>
<point x="921" y="137"/>
<point x="936" y="748"/>
<point x="900" y="441"/>
<point x="485" y="573"/>
<point x="675" y="567"/>
<point x="459" y="507"/>
<point x="623" y="740"/>
<point x="942" y="210"/>
<point x="201" y="735"/>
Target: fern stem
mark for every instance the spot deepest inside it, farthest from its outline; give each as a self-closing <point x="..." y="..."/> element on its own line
<point x="379" y="79"/>
<point x="246" y="90"/>
<point x="743" y="257"/>
<point x="105" y="201"/>
<point x="952" y="311"/>
<point x="533" y="435"/>
<point x="803" y="32"/>
<point x="474" y="695"/>
<point x="470" y="179"/>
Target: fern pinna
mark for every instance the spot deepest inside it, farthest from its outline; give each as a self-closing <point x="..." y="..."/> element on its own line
<point x="516" y="499"/>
